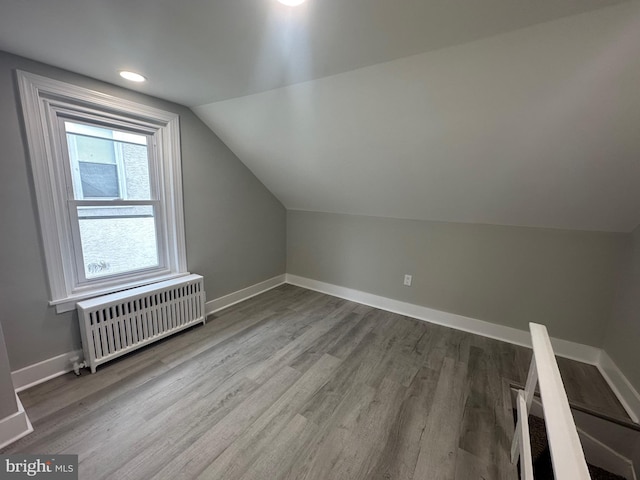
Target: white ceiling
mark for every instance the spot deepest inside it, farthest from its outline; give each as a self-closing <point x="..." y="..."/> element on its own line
<point x="200" y="51"/>
<point x="502" y="111"/>
<point x="536" y="127"/>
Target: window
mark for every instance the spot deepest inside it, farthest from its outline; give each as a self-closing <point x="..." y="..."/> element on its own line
<point x="109" y="190"/>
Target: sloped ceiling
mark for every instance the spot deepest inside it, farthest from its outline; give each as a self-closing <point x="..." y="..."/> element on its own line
<point x="502" y="111"/>
<point x="200" y="51"/>
<point x="537" y="127"/>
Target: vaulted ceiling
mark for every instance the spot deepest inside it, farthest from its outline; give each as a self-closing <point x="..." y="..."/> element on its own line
<point x="501" y="111"/>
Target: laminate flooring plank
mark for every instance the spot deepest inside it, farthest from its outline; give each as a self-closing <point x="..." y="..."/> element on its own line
<point x="364" y="309"/>
<point x="257" y="308"/>
<point x="344" y="345"/>
<point x="334" y="435"/>
<point x="482" y="433"/>
<point x="256" y="344"/>
<point x="459" y="345"/>
<point x="355" y="368"/>
<point x="138" y="404"/>
<point x="190" y="462"/>
<point x="436" y="346"/>
<point x="322" y="324"/>
<point x="219" y="363"/>
<point x="66" y="419"/>
<point x="291" y="350"/>
<point x="311" y="298"/>
<point x="507" y="360"/>
<point x="272" y="300"/>
<point x="365" y="436"/>
<point x="470" y="467"/>
<point x="403" y="359"/>
<point x="274" y="462"/>
<point x="237" y="458"/>
<point x="398" y="458"/>
<point x="229" y="322"/>
<point x="72" y="391"/>
<point x="138" y="446"/>
<point x="343" y="329"/>
<point x="439" y="443"/>
<point x="227" y="328"/>
<point x="197" y="428"/>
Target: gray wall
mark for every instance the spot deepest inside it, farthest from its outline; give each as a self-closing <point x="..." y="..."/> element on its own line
<point x="500" y="274"/>
<point x="622" y="342"/>
<point x="235" y="227"/>
<point x="8" y="405"/>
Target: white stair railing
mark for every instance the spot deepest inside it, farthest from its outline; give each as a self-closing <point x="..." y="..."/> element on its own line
<point x="566" y="451"/>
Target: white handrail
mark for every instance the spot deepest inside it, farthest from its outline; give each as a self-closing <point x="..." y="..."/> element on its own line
<point x="566" y="450"/>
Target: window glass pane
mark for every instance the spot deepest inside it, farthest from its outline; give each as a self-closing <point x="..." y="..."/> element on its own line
<point x="91" y="149"/>
<point x="99" y="180"/>
<point x="108" y="164"/>
<point x="117" y="240"/>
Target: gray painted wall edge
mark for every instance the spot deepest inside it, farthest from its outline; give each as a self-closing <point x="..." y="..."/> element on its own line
<point x="623" y="335"/>
<point x="8" y="405"/>
<point x="505" y="275"/>
<point x="235" y="227"/>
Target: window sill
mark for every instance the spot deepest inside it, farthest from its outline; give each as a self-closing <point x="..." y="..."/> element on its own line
<point x="68" y="304"/>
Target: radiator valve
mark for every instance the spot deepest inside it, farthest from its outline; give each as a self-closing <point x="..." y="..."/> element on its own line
<point x="77" y="365"/>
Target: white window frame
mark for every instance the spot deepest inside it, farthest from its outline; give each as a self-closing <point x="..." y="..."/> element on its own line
<point x="43" y="102"/>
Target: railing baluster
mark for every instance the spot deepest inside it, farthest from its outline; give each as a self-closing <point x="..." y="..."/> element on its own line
<point x="532" y="381"/>
<point x="529" y="390"/>
<point x="526" y="462"/>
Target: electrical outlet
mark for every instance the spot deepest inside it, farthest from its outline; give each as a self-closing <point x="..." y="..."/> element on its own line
<point x="407" y="280"/>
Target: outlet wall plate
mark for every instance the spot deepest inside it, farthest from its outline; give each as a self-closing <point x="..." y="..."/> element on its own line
<point x="407" y="280"/>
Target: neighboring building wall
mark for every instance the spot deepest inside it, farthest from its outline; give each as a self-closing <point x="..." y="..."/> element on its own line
<point x="235" y="228"/>
<point x="500" y="274"/>
<point x="622" y="342"/>
<point x="136" y="167"/>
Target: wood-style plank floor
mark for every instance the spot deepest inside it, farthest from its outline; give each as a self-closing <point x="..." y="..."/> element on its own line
<point x="294" y="384"/>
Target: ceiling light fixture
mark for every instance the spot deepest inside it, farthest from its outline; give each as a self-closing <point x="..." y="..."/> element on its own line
<point x="132" y="76"/>
<point x="291" y="3"/>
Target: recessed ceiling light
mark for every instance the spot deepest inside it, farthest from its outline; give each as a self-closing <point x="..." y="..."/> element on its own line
<point x="132" y="76"/>
<point x="291" y="3"/>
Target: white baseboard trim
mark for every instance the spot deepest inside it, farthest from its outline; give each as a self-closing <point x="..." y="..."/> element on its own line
<point x="14" y="427"/>
<point x="32" y="375"/>
<point x="626" y="393"/>
<point x="576" y="351"/>
<point x="563" y="348"/>
<point x="220" y="303"/>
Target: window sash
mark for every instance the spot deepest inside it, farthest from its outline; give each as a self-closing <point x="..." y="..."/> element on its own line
<point x="79" y="274"/>
<point x="65" y="115"/>
<point x="79" y="259"/>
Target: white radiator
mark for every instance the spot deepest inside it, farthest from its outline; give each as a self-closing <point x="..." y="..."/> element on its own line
<point x="115" y="324"/>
